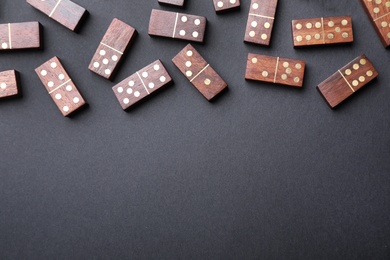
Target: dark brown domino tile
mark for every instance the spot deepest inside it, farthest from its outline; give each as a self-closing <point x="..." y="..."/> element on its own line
<point x="347" y="80"/>
<point x="111" y="49"/>
<point x="199" y="72"/>
<point x="20" y="36"/>
<point x="8" y="84"/>
<point x="177" y="25"/>
<point x="225" y="5"/>
<point x="321" y="31"/>
<point x="141" y="84"/>
<point x="60" y="86"/>
<point x="65" y="12"/>
<point x="275" y="70"/>
<point x="260" y="21"/>
<point x="172" y="2"/>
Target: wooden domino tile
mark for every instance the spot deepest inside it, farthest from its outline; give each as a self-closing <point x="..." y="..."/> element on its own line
<point x="111" y="49"/>
<point x="347" y="80"/>
<point x="20" y="36"/>
<point x="8" y="84"/>
<point x="60" y="86"/>
<point x="141" y="84"/>
<point x="275" y="70"/>
<point x="379" y="14"/>
<point x="320" y="31"/>
<point x="65" y="12"/>
<point x="172" y="2"/>
<point x="260" y="21"/>
<point x="177" y="25"/>
<point x="199" y="72"/>
<point x="225" y="5"/>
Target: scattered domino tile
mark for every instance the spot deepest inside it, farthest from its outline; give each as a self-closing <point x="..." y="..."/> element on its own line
<point x="60" y="86"/>
<point x="275" y="70"/>
<point x="111" y="49"/>
<point x="172" y="2"/>
<point x="347" y="80"/>
<point x="379" y="13"/>
<point x="177" y="25"/>
<point x="260" y="21"/>
<point x="199" y="72"/>
<point x="8" y="84"/>
<point x="225" y="5"/>
<point x="65" y="12"/>
<point x="20" y="36"/>
<point x="320" y="31"/>
<point x="141" y="84"/>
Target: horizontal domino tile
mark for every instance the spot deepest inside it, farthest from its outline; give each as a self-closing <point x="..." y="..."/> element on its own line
<point x="60" y="86"/>
<point x="347" y="80"/>
<point x="379" y="14"/>
<point x="260" y="21"/>
<point x="65" y="12"/>
<point x="177" y="25"/>
<point x="108" y="55"/>
<point x="320" y="31"/>
<point x="8" y="84"/>
<point x="20" y="36"/>
<point x="141" y="84"/>
<point x="225" y="5"/>
<point x="199" y="72"/>
<point x="172" y="2"/>
<point x="275" y="70"/>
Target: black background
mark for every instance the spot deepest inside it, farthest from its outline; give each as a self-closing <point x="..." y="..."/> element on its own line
<point x="265" y="171"/>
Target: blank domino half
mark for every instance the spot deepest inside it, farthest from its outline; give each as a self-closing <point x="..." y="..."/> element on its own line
<point x="108" y="55"/>
<point x="379" y="14"/>
<point x="172" y="2"/>
<point x="199" y="72"/>
<point x="347" y="80"/>
<point x="8" y="84"/>
<point x="225" y="5"/>
<point x="65" y="12"/>
<point x="141" y="84"/>
<point x="260" y="21"/>
<point x="177" y="25"/>
<point x="321" y="31"/>
<point x="60" y="86"/>
<point x="20" y="36"/>
<point x="275" y="70"/>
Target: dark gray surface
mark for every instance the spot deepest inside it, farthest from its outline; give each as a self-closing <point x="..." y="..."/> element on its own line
<point x="265" y="171"/>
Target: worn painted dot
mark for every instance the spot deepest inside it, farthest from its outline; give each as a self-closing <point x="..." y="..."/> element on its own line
<point x="207" y="82"/>
<point x="344" y="22"/>
<point x="254" y="60"/>
<point x="129" y="91"/>
<point x="163" y="79"/>
<point x="197" y="22"/>
<point x="362" y="78"/>
<point x="189" y="53"/>
<point x="299" y="38"/>
<point x="264" y="74"/>
<point x="145" y="74"/>
<point x="195" y="34"/>
<point x="151" y="85"/>
<point x="376" y="10"/>
<point x="76" y="100"/>
<point x="96" y="64"/>
<point x="252" y="34"/>
<point x="363" y="61"/>
<point x="308" y="37"/>
<point x="298" y="66"/>
<point x="298" y="26"/>
<point x="330" y="23"/>
<point x="50" y="84"/>
<point x="388" y="35"/>
<point x="61" y="76"/>
<point x="3" y="85"/>
<point x="309" y="25"/>
<point x="355" y="83"/>
<point x="378" y="1"/>
<point x="286" y="64"/>
<point x="107" y="72"/>
<point x="189" y="73"/>
<point x="182" y="32"/>
<point x="58" y="96"/>
<point x="345" y="35"/>
<point x="337" y="29"/>
<point x="369" y="73"/>
<point x="43" y="72"/>
<point x="188" y="64"/>
<point x="114" y="57"/>
<point x="69" y="88"/>
<point x="53" y="65"/>
<point x="348" y="72"/>
<point x="233" y="1"/>
<point x="384" y="24"/>
<point x="102" y="52"/>
<point x="296" y="79"/>
<point x="131" y="83"/>
<point x="137" y="94"/>
<point x="184" y="19"/>
<point x="267" y="25"/>
<point x="288" y="70"/>
<point x="156" y="67"/>
<point x="126" y="101"/>
<point x="388" y="4"/>
<point x="355" y="66"/>
<point x="220" y="4"/>
<point x="330" y="36"/>
<point x="318" y="25"/>
<point x="255" y="6"/>
<point x="317" y="36"/>
<point x="4" y="45"/>
<point x="120" y="90"/>
<point x="65" y="108"/>
<point x="264" y="36"/>
<point x="254" y="24"/>
<point x="284" y="76"/>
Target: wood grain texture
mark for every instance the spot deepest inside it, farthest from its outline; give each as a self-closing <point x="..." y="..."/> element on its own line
<point x="65" y="12"/>
<point x="177" y="25"/>
<point x="112" y="47"/>
<point x="60" y="86"/>
<point x="20" y="36"/>
<point x="260" y="21"/>
<point x="199" y="72"/>
<point x="379" y="14"/>
<point x="275" y="70"/>
<point x="172" y="2"/>
<point x="8" y="84"/>
<point x="141" y="84"/>
<point x="322" y="31"/>
<point x="226" y="5"/>
<point x="347" y="80"/>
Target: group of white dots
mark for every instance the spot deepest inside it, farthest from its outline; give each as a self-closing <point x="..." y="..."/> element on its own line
<point x="3" y="86"/>
<point x="220" y="4"/>
<point x="318" y="25"/>
<point x="131" y="84"/>
<point x="184" y="19"/>
<point x="68" y="88"/>
<point x="105" y="61"/>
<point x="288" y="70"/>
<point x="189" y="73"/>
<point x="356" y="66"/>
<point x="378" y="2"/>
<point x="254" y="24"/>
